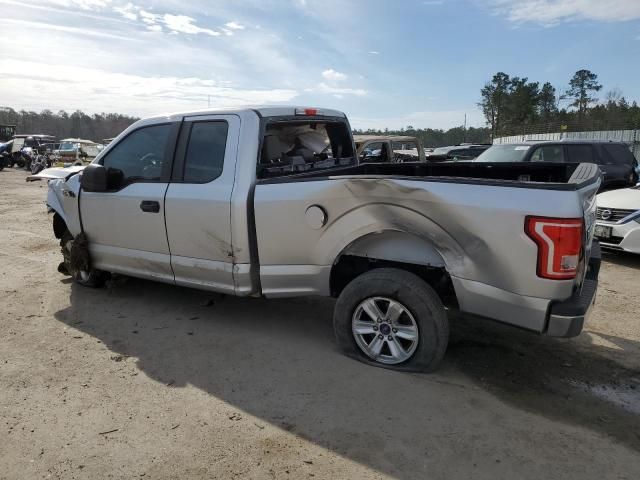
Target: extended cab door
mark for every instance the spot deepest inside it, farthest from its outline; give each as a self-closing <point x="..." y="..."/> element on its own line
<point x="125" y="225"/>
<point x="198" y="202"/>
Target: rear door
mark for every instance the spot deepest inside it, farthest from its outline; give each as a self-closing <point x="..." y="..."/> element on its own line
<point x="617" y="164"/>
<point x="125" y="225"/>
<point x="198" y="202"/>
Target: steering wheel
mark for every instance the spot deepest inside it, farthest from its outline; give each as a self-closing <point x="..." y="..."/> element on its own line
<point x="151" y="165"/>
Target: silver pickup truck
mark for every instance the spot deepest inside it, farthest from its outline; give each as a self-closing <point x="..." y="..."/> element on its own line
<point x="272" y="202"/>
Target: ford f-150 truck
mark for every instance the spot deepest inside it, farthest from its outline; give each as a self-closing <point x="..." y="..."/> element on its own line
<point x="272" y="202"/>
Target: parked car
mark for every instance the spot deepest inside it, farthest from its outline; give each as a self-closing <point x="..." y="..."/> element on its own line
<point x="388" y="149"/>
<point x="273" y="202"/>
<point x="77" y="150"/>
<point x="616" y="161"/>
<point x="463" y="152"/>
<point x="618" y="219"/>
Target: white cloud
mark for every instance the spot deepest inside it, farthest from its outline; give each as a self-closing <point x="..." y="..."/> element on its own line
<point x="184" y="24"/>
<point x="83" y="4"/>
<point x="333" y="76"/>
<point x="96" y="90"/>
<point x="330" y="89"/>
<point x="234" y="26"/>
<point x="127" y="11"/>
<point x="374" y="52"/>
<point x="61" y="28"/>
<point x="149" y="18"/>
<point x="552" y="12"/>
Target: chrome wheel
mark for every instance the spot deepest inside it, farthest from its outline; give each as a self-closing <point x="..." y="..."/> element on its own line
<point x="385" y="330"/>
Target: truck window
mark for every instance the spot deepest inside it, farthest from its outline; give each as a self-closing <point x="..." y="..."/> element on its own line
<point x="374" y="152"/>
<point x="141" y="154"/>
<point x="616" y="154"/>
<point x="580" y="153"/>
<point x="294" y="146"/>
<point x="548" y="153"/>
<point x="205" y="151"/>
<point x="405" y="151"/>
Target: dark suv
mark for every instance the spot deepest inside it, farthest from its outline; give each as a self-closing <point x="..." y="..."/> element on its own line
<point x="462" y="152"/>
<point x="619" y="166"/>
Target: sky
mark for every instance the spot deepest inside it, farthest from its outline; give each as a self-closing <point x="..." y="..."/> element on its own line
<point x="385" y="63"/>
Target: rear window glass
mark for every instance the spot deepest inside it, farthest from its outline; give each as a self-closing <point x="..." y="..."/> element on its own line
<point x="374" y="152"/>
<point x="580" y="153"/>
<point x="205" y="151"/>
<point x="504" y="153"/>
<point x="405" y="151"/>
<point x="297" y="146"/>
<point x="616" y="154"/>
<point x="548" y="153"/>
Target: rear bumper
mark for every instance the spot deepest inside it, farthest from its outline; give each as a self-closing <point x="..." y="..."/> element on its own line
<point x="567" y="318"/>
<point x="564" y="318"/>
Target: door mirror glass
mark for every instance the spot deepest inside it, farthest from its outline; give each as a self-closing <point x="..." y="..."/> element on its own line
<point x="94" y="178"/>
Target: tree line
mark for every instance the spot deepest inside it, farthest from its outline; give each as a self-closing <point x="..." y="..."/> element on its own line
<point x="513" y="105"/>
<point x="434" y="137"/>
<point x="61" y="125"/>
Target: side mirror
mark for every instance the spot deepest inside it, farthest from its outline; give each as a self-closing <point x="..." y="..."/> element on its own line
<point x="94" y="178"/>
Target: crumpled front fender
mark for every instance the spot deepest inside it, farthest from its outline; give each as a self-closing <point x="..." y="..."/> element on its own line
<point x="62" y="198"/>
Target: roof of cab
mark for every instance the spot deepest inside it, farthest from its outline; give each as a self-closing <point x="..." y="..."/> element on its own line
<point x="261" y="110"/>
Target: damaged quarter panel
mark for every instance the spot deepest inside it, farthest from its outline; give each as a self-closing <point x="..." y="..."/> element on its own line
<point x="478" y="237"/>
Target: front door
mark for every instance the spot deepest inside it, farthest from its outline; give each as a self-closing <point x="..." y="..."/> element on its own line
<point x="125" y="225"/>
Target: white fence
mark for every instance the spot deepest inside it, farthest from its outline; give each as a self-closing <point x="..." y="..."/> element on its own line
<point x="630" y="137"/>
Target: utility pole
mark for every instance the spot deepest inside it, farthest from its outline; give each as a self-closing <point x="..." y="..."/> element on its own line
<point x="464" y="130"/>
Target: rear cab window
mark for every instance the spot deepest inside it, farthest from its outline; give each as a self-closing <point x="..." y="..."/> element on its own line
<point x="405" y="151"/>
<point x="295" y="145"/>
<point x="374" y="152"/>
<point x="580" y="153"/>
<point x="616" y="154"/>
<point x="204" y="158"/>
<point x="548" y="153"/>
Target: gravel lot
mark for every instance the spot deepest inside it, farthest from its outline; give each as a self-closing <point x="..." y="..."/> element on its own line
<point x="144" y="380"/>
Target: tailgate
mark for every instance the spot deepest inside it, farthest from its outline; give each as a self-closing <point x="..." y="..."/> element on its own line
<point x="583" y="177"/>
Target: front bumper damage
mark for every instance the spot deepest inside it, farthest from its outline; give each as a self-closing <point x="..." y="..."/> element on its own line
<point x="567" y="318"/>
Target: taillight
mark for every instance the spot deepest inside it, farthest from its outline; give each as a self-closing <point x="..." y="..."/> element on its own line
<point x="559" y="242"/>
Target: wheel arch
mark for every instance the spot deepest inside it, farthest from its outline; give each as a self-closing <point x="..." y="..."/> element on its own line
<point x="393" y="249"/>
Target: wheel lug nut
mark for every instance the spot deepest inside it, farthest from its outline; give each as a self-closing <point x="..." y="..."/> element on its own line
<point x="395" y="330"/>
<point x="375" y="328"/>
<point x="389" y="337"/>
<point x="380" y="336"/>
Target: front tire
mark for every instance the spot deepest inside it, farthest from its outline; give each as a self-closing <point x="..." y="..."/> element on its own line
<point x="76" y="262"/>
<point x="392" y="318"/>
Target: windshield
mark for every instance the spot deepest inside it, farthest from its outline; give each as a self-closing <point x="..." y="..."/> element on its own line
<point x="503" y="153"/>
<point x="67" y="146"/>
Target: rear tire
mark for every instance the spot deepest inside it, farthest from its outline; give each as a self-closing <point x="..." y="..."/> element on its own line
<point x="411" y="331"/>
<point x="77" y="264"/>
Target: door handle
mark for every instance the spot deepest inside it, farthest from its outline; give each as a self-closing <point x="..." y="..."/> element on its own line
<point x="150" y="206"/>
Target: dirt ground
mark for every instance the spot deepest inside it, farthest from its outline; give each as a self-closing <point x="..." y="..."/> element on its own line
<point x="144" y="380"/>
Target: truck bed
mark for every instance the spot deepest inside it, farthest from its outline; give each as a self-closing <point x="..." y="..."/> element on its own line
<point x="548" y="176"/>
